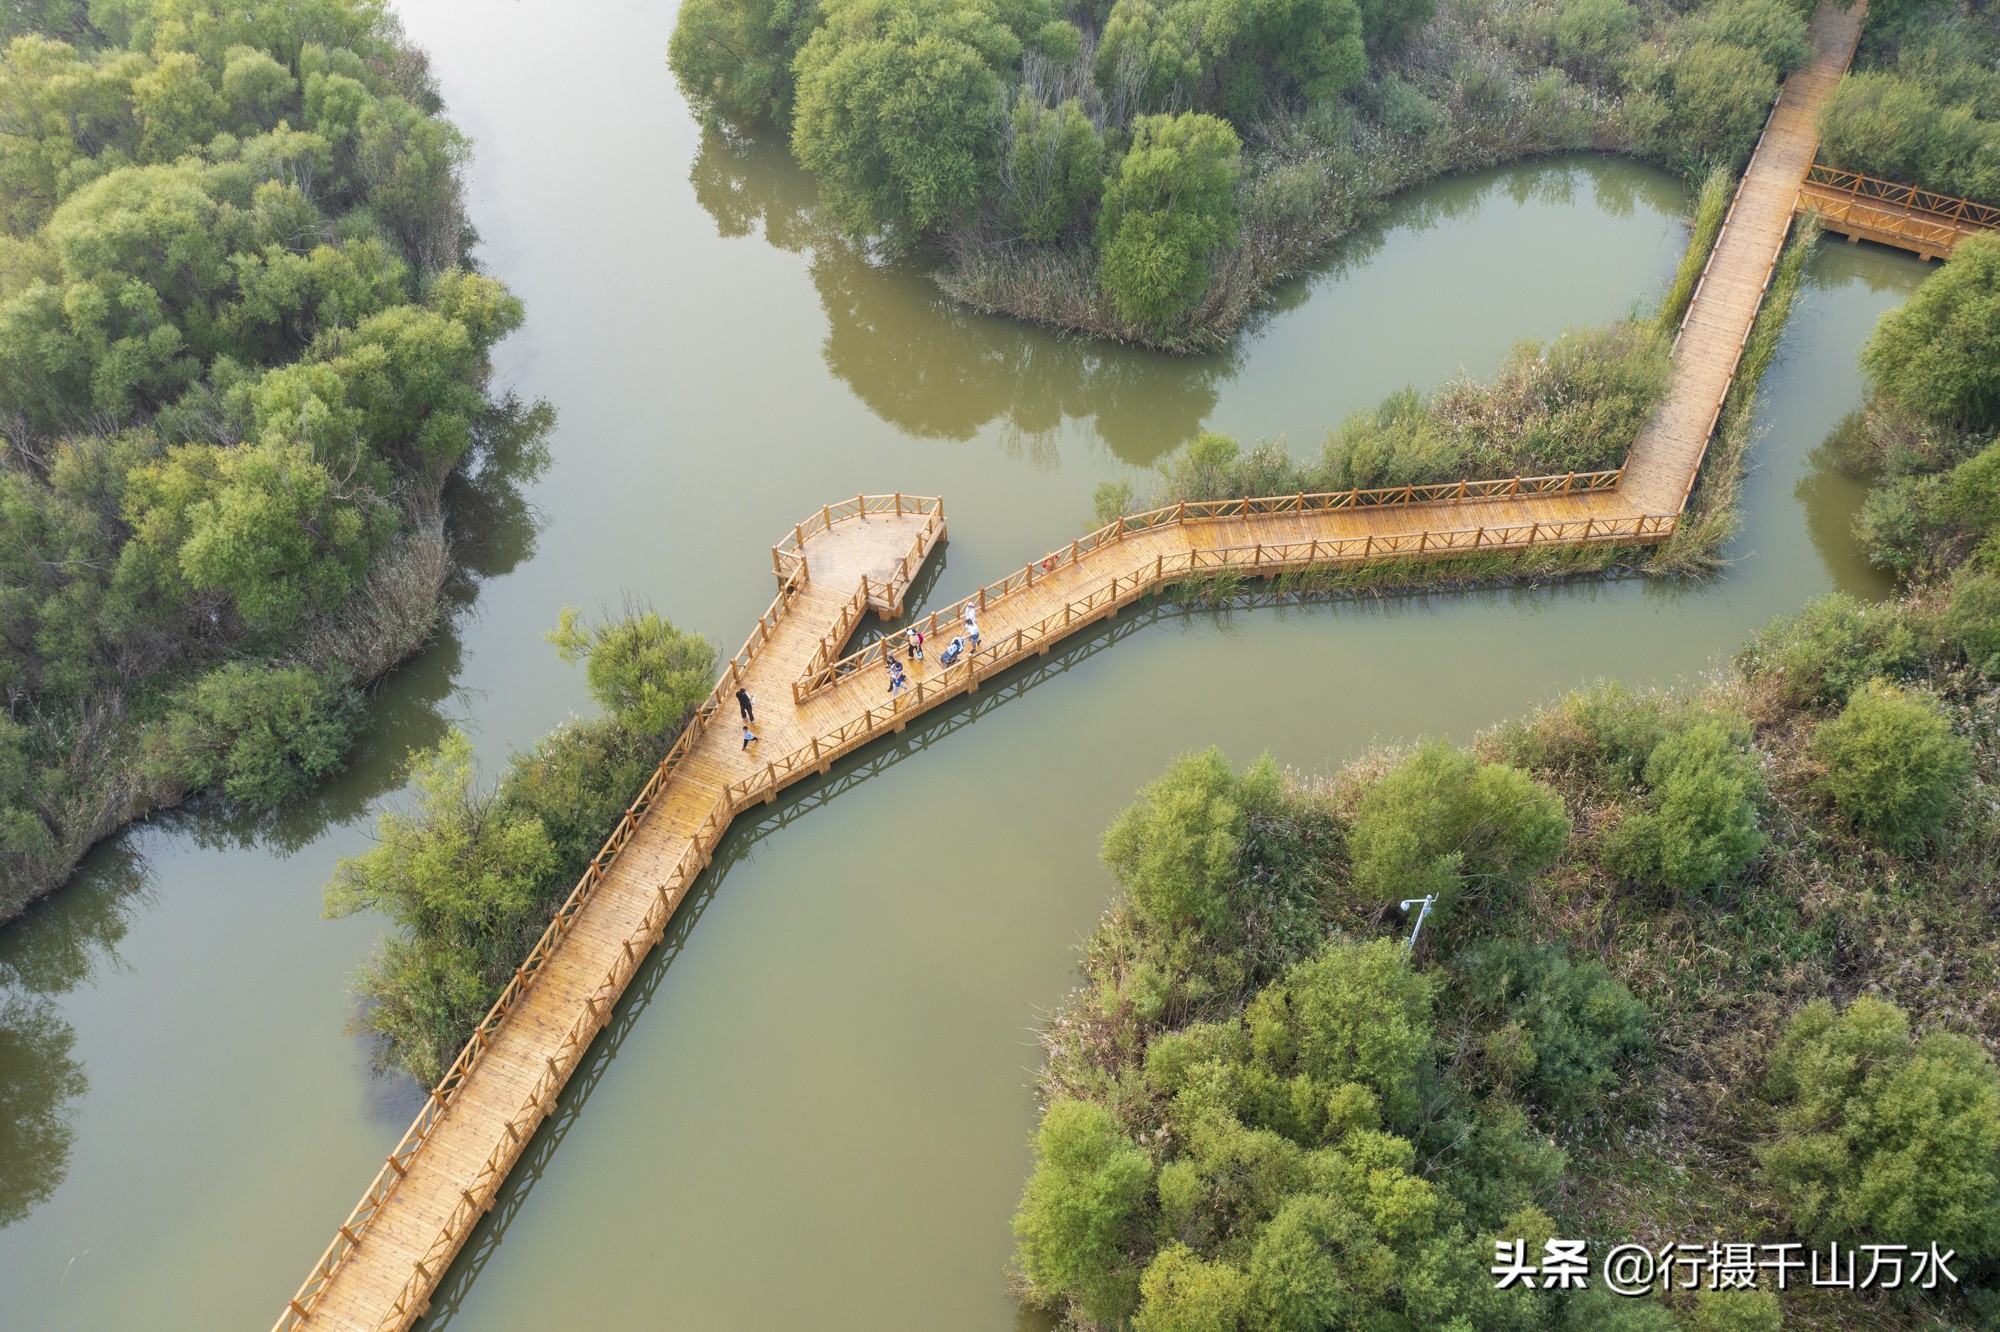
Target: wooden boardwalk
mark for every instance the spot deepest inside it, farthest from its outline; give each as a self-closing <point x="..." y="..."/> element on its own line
<point x="815" y="705"/>
<point x="1863" y="208"/>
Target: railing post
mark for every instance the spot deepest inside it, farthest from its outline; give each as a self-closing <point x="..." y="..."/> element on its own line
<point x="899" y="504"/>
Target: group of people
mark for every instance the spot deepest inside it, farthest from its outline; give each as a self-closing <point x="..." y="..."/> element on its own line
<point x="899" y="680"/>
<point x="913" y="648"/>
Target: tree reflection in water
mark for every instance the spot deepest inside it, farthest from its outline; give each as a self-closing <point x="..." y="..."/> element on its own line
<point x="935" y="370"/>
<point x="51" y="950"/>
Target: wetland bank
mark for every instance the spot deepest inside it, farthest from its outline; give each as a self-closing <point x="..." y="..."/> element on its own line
<point x="850" y="1043"/>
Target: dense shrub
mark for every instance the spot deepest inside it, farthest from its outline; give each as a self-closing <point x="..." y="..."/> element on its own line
<point x="239" y="357"/>
<point x="472" y="875"/>
<point x="1773" y="30"/>
<point x="1602" y="735"/>
<point x="1166" y="54"/>
<point x="1078" y="1210"/>
<point x="1972" y="619"/>
<point x="1556" y="1032"/>
<point x="1932" y="118"/>
<point x="1696" y="825"/>
<point x="1168" y="209"/>
<point x="259" y="733"/>
<point x="1053" y="169"/>
<point x="1821" y="655"/>
<point x="733" y="58"/>
<point x="1175" y="850"/>
<point x="1701" y="102"/>
<point x="1939" y="353"/>
<point x="1881" y="1139"/>
<point x="640" y="667"/>
<point x="1444" y="823"/>
<point x="1593" y="36"/>
<point x="461" y="878"/>
<point x="1736" y="1311"/>
<point x="1892" y="767"/>
<point x="898" y="109"/>
<point x="1280" y="1201"/>
<point x="1572" y="405"/>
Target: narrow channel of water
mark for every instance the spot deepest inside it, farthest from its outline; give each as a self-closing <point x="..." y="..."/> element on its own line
<point x="815" y="1112"/>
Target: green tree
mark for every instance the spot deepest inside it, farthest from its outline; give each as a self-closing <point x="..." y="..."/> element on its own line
<point x="264" y="524"/>
<point x="1883" y="1139"/>
<point x="258" y="89"/>
<point x="647" y="672"/>
<point x="1079" y="1209"/>
<point x="1175" y="850"/>
<point x="1053" y="172"/>
<point x="1167" y="211"/>
<point x="1443" y="822"/>
<point x="176" y="106"/>
<point x="1355" y="1013"/>
<point x="259" y="733"/>
<point x="1892" y="767"/>
<point x="1183" y="1292"/>
<point x="1697" y="825"/>
<point x="1939" y="353"/>
<point x="899" y="109"/>
<point x="461" y="875"/>
<point x="733" y="58"/>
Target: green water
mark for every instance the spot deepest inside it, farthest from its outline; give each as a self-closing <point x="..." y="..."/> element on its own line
<point x="813" y="1109"/>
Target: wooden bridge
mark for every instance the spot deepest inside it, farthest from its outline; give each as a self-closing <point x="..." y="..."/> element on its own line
<point x="1863" y="208"/>
<point x="816" y="703"/>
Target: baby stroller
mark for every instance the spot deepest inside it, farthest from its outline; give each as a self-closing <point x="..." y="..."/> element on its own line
<point x="951" y="654"/>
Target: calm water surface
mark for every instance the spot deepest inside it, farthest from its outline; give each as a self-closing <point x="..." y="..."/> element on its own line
<point x="813" y="1109"/>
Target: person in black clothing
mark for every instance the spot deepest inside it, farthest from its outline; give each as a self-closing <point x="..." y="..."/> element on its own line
<point x="743" y="703"/>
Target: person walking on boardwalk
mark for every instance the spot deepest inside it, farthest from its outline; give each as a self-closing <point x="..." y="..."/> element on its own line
<point x="971" y="627"/>
<point x="897" y="680"/>
<point x="913" y="638"/>
<point x="746" y="705"/>
<point x="749" y="737"/>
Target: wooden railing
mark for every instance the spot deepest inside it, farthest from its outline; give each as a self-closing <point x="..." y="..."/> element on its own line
<point x="789" y="554"/>
<point x="818" y="666"/>
<point x="1260" y="559"/>
<point x="1694" y="301"/>
<point x="441" y="1096"/>
<point x="1967" y="211"/>
<point x="823" y="672"/>
<point x="477" y="1197"/>
<point x="1715" y="246"/>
